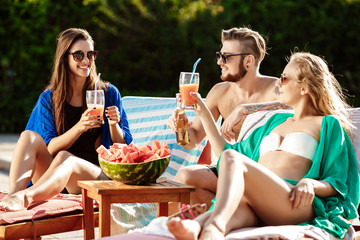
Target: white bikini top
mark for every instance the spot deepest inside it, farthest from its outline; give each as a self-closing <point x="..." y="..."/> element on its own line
<point x="298" y="143"/>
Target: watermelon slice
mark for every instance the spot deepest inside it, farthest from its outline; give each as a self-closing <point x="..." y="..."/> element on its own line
<point x="134" y="154"/>
<point x="156" y="145"/>
<point x="103" y="152"/>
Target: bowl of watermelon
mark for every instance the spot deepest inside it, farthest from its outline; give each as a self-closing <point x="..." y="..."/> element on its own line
<point x="132" y="164"/>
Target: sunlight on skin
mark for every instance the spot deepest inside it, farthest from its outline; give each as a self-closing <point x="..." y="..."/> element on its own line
<point x="14" y="202"/>
<point x="211" y="232"/>
<point x="26" y="174"/>
<point x="184" y="229"/>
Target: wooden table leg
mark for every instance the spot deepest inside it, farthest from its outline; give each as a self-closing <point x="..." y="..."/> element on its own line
<point x="104" y="216"/>
<point x="185" y="198"/>
<point x="163" y="209"/>
<point x="88" y="218"/>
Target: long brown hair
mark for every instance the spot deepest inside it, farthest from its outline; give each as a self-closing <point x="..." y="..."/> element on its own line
<point x="60" y="83"/>
<point x="324" y="90"/>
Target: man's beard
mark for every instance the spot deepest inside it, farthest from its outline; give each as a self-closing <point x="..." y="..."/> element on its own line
<point x="234" y="78"/>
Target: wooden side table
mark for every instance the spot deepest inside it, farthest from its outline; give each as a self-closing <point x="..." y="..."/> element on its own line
<point x="108" y="192"/>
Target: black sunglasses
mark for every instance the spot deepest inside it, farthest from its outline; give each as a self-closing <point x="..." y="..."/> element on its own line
<point x="283" y="78"/>
<point x="225" y="56"/>
<point x="79" y="55"/>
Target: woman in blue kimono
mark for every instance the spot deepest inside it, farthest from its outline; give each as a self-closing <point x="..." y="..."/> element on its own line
<point x="58" y="147"/>
<point x="296" y="169"/>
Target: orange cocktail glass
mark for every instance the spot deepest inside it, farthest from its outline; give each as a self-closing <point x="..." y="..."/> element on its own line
<point x="188" y="82"/>
<point x="96" y="101"/>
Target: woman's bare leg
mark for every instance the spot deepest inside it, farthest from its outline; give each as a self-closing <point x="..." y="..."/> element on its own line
<point x="267" y="195"/>
<point x="187" y="229"/>
<point x="190" y="229"/>
<point x="246" y="193"/>
<point x="63" y="172"/>
<point x="30" y="160"/>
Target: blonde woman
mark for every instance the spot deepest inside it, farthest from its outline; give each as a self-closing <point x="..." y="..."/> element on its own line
<point x="296" y="169"/>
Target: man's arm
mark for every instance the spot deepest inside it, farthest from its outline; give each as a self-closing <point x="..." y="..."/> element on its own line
<point x="255" y="107"/>
<point x="242" y="111"/>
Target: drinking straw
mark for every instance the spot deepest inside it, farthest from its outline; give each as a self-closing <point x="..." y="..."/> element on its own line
<point x="96" y="87"/>
<point x="195" y="65"/>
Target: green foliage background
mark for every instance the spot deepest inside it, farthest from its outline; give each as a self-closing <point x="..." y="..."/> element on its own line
<point x="144" y="44"/>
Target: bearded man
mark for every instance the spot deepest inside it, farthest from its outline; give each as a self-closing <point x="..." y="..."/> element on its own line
<point x="243" y="90"/>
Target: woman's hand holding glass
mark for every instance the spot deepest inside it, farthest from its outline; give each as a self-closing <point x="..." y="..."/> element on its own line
<point x="113" y="115"/>
<point x="88" y="121"/>
<point x="201" y="109"/>
<point x="302" y="195"/>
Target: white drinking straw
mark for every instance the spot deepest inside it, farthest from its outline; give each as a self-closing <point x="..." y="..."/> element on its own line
<point x="96" y="87"/>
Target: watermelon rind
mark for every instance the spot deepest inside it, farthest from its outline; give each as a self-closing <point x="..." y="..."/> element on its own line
<point x="135" y="173"/>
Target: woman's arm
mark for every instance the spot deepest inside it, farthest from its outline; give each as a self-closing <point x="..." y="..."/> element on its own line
<point x="217" y="141"/>
<point x="42" y="122"/>
<point x="304" y="192"/>
<point x="113" y="115"/>
<point x="116" y="128"/>
<point x="67" y="139"/>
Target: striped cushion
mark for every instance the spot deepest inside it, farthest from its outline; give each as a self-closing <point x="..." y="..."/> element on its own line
<point x="147" y="118"/>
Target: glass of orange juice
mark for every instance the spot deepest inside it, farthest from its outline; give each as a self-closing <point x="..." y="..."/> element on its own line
<point x="188" y="82"/>
<point x="96" y="101"/>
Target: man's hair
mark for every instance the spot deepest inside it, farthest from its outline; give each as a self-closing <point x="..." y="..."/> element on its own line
<point x="251" y="42"/>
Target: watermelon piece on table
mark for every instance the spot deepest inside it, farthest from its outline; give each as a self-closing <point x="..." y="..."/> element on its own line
<point x="153" y="157"/>
<point x="164" y="150"/>
<point x="127" y="159"/>
<point x="103" y="152"/>
<point x="118" y="145"/>
<point x="156" y="145"/>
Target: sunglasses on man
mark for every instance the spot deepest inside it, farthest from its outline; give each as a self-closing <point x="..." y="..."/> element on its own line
<point x="225" y="56"/>
<point x="79" y="55"/>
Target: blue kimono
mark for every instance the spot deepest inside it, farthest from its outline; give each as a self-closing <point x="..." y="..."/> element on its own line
<point x="42" y="120"/>
<point x="334" y="162"/>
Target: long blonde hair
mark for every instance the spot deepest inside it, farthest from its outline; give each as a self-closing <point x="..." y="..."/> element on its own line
<point x="60" y="83"/>
<point x="324" y="90"/>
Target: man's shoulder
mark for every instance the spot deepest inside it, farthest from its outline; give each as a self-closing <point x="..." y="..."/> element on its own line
<point x="268" y="79"/>
<point x="219" y="88"/>
<point x="269" y="89"/>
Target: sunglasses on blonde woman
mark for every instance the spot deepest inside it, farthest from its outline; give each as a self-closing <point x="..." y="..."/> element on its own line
<point x="79" y="55"/>
<point x="283" y="79"/>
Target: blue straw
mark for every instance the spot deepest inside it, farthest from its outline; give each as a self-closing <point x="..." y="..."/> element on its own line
<point x="195" y="65"/>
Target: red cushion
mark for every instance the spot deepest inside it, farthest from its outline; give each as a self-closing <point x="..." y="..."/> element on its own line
<point x="136" y="236"/>
<point x="55" y="206"/>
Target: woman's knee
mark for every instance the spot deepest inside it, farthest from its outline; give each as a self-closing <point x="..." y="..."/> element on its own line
<point x="229" y="156"/>
<point x="232" y="158"/>
<point x="31" y="137"/>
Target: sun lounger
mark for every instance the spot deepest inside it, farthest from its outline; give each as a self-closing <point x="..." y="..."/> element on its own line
<point x="62" y="213"/>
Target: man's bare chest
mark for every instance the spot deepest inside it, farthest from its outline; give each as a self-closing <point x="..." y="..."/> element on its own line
<point x="228" y="104"/>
